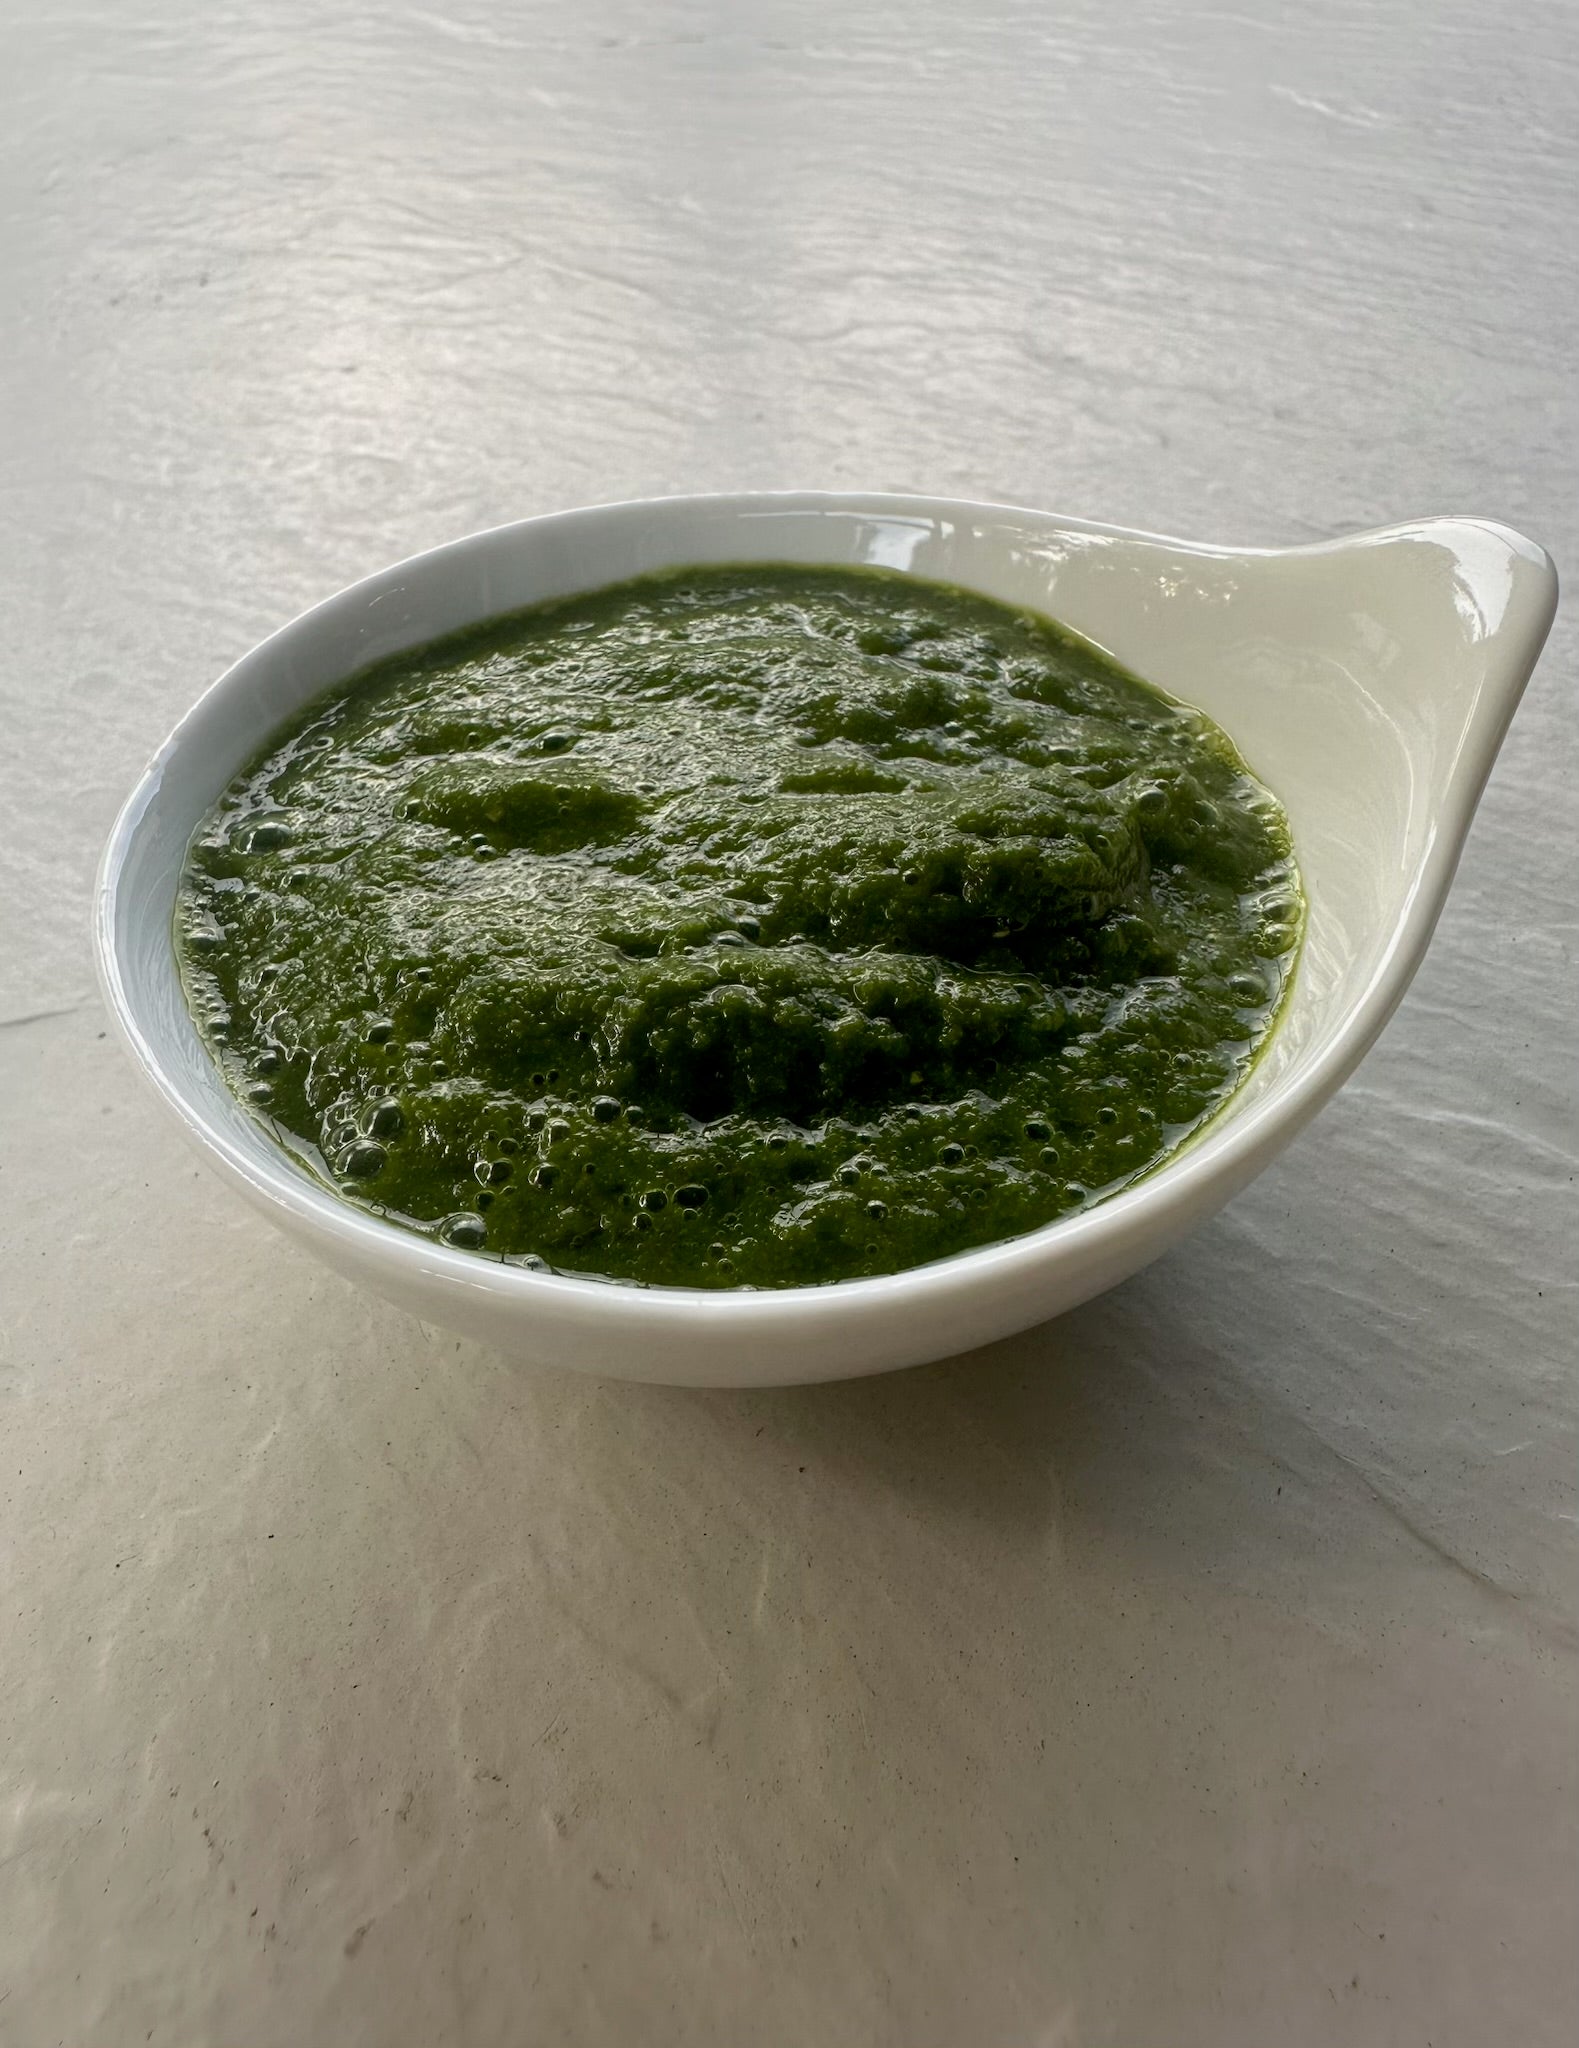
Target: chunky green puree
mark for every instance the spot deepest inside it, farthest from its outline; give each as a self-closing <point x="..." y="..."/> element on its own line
<point x="748" y="926"/>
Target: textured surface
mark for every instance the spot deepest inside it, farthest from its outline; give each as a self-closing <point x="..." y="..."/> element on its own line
<point x="1199" y="1670"/>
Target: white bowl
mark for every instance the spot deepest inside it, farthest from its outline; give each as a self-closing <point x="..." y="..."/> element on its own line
<point x="1367" y="681"/>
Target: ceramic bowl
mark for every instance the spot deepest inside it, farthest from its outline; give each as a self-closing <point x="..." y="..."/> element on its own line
<point x="1367" y="681"/>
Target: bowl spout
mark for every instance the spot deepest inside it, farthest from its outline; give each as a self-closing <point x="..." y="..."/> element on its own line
<point x="1369" y="681"/>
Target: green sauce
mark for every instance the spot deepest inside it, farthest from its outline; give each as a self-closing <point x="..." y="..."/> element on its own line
<point x="747" y="926"/>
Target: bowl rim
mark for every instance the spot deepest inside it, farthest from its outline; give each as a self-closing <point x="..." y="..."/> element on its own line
<point x="1226" y="1149"/>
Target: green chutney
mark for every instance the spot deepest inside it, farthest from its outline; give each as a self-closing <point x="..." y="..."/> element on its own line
<point x="750" y="926"/>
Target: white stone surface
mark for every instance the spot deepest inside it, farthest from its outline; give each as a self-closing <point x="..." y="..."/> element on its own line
<point x="1199" y="1670"/>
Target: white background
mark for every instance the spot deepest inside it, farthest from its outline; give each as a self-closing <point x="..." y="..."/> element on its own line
<point x="1199" y="1670"/>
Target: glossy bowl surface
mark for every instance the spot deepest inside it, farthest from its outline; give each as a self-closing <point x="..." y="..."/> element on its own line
<point x="1368" y="681"/>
